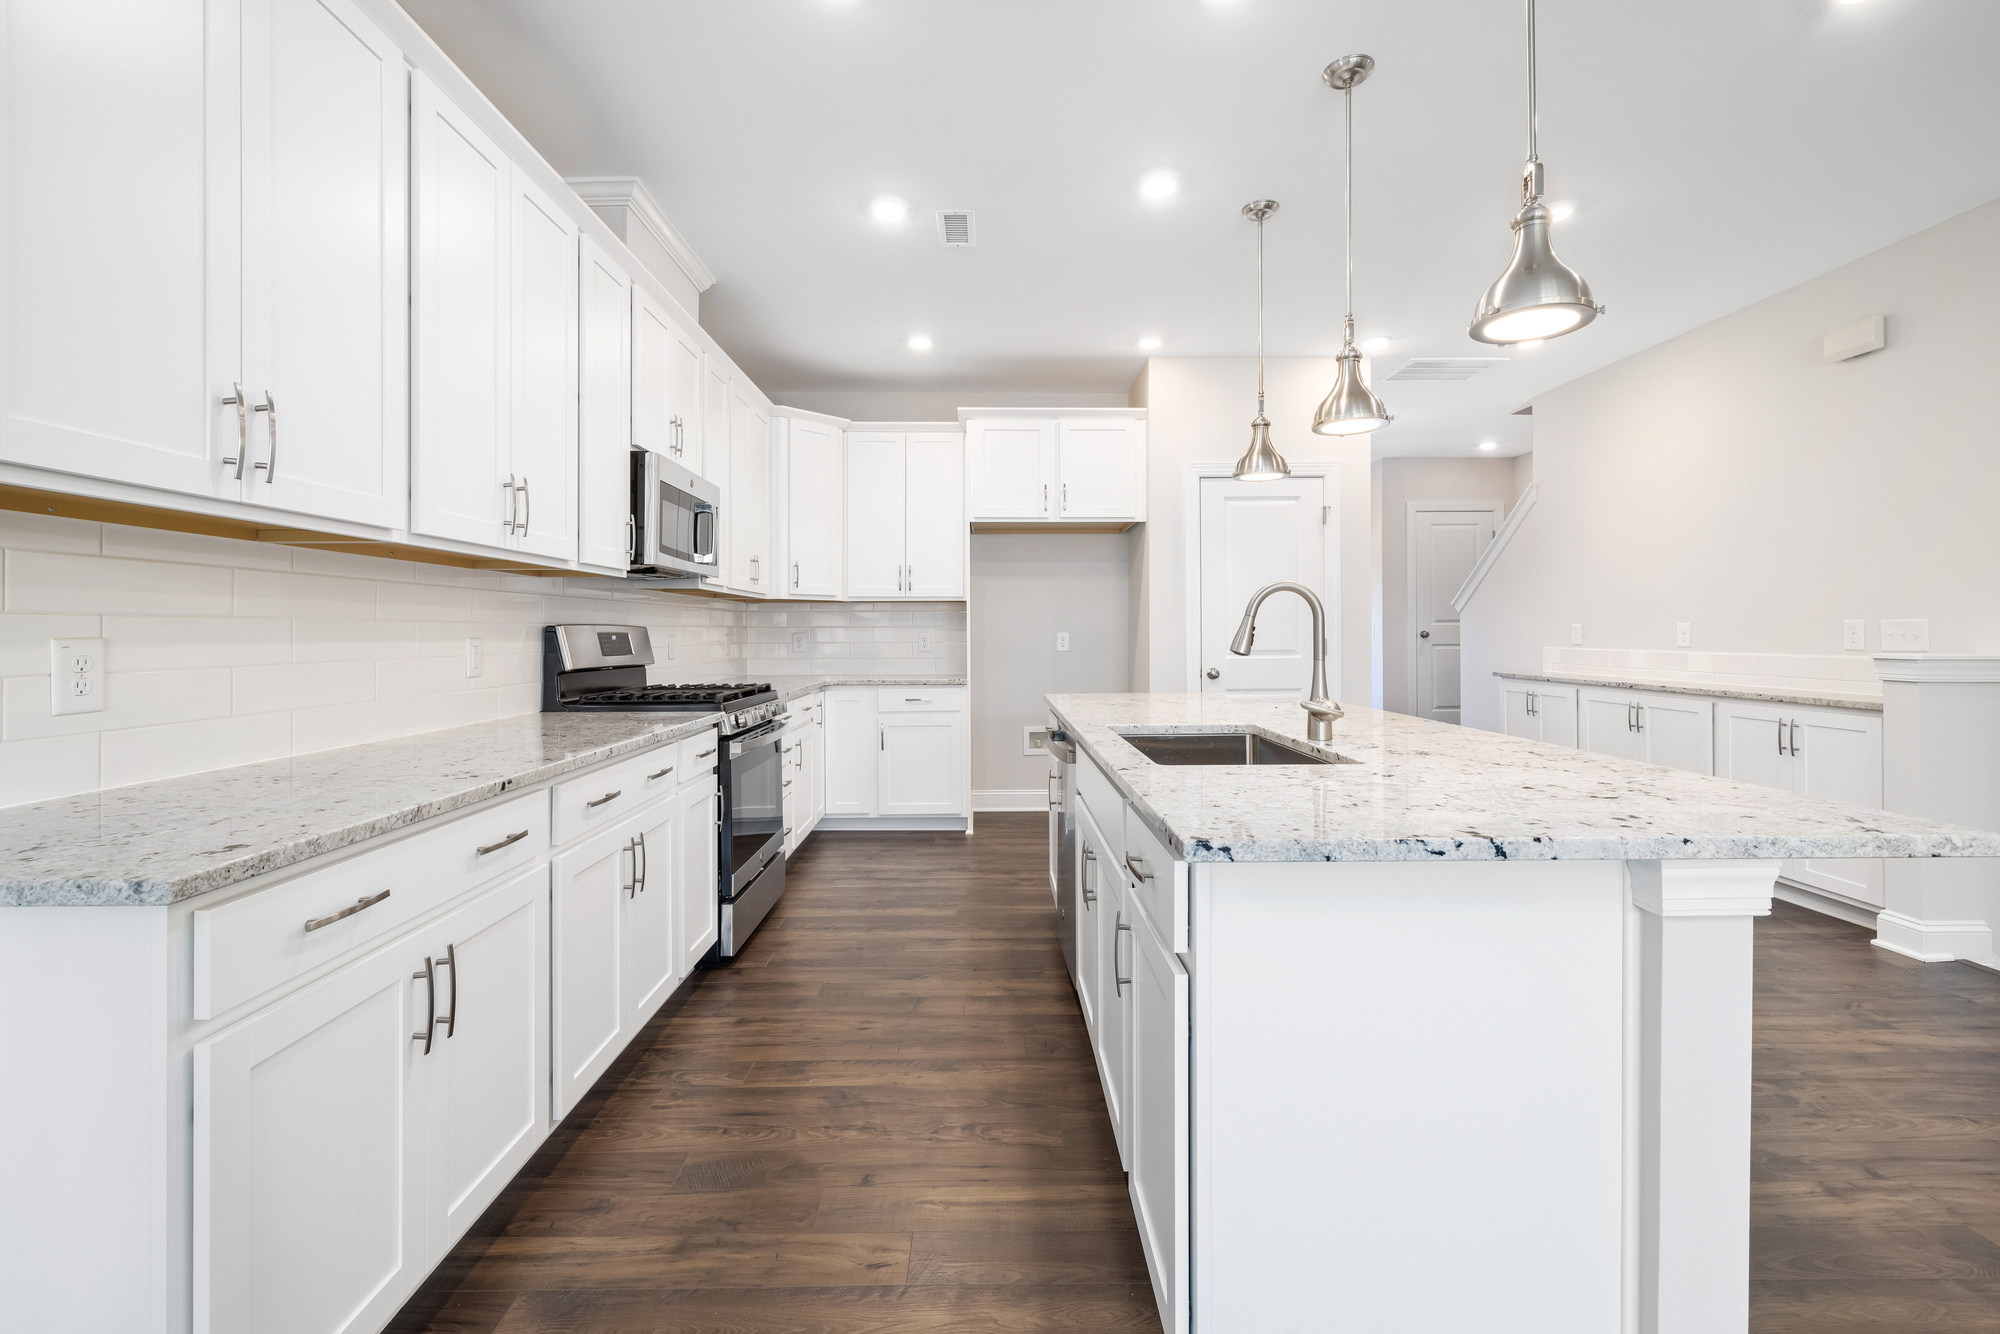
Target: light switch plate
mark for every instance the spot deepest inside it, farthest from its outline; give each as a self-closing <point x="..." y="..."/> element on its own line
<point x="798" y="643"/>
<point x="76" y="676"/>
<point x="1576" y="632"/>
<point x="1062" y="641"/>
<point x="1683" y="634"/>
<point x="1906" y="636"/>
<point x="923" y="641"/>
<point x="1852" y="635"/>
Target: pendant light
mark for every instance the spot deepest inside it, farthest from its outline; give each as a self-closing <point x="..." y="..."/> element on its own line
<point x="1538" y="296"/>
<point x="1350" y="407"/>
<point x="1261" y="462"/>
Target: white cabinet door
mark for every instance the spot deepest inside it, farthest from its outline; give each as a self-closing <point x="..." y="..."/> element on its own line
<point x="589" y="1019"/>
<point x="1555" y="712"/>
<point x="715" y="452"/>
<point x="486" y="1090"/>
<point x="308" y="1155"/>
<point x="815" y="767"/>
<point x="920" y="759"/>
<point x="1092" y="870"/>
<point x="544" y="448"/>
<point x="854" y="746"/>
<point x="1156" y="1116"/>
<point x="1517" y="710"/>
<point x="684" y="399"/>
<point x="652" y="959"/>
<point x="813" y="509"/>
<point x="604" y="432"/>
<point x="1113" y="985"/>
<point x="1607" y="723"/>
<point x="652" y="358"/>
<point x="1839" y="758"/>
<point x="460" y="312"/>
<point x="122" y="333"/>
<point x="749" y="509"/>
<point x="325" y="261"/>
<point x="1679" y="731"/>
<point x="1750" y="745"/>
<point x="697" y="918"/>
<point x="934" y="542"/>
<point x="874" y="517"/>
<point x="1100" y="469"/>
<point x="1010" y="466"/>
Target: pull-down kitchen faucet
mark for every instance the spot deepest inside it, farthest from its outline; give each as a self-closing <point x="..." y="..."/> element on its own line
<point x="1321" y="711"/>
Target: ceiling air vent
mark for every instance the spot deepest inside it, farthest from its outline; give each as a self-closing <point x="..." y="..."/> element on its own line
<point x="955" y="227"/>
<point x="1444" y="368"/>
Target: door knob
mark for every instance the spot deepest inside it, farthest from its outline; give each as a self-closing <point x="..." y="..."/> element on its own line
<point x="1423" y="634"/>
<point x="1214" y="673"/>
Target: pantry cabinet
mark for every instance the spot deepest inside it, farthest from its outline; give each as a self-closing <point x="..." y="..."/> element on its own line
<point x="273" y="255"/>
<point x="1083" y="469"/>
<point x="1539" y="711"/>
<point x="604" y="429"/>
<point x="905" y="520"/>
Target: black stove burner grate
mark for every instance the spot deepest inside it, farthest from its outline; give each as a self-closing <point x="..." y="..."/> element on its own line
<point x="700" y="696"/>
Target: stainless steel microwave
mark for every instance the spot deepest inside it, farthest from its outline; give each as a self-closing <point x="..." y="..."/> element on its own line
<point x="674" y="518"/>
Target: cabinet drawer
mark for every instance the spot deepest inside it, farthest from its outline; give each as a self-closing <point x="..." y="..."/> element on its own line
<point x="249" y="945"/>
<point x="602" y="796"/>
<point x="1107" y="808"/>
<point x="697" y="756"/>
<point x="1159" y="884"/>
<point x="919" y="699"/>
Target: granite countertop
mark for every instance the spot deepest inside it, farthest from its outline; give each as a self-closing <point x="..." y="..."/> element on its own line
<point x="790" y="688"/>
<point x="1423" y="791"/>
<point x="161" y="842"/>
<point x="1825" y="699"/>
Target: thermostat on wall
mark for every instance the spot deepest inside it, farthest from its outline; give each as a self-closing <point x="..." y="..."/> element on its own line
<point x="1867" y="334"/>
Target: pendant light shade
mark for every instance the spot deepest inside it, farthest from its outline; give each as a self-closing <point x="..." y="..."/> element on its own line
<point x="1350" y="407"/>
<point x="1261" y="462"/>
<point x="1538" y="296"/>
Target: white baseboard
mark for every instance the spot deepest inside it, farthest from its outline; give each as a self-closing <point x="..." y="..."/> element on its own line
<point x="883" y="824"/>
<point x="1935" y="942"/>
<point x="1804" y="897"/>
<point x="1011" y="799"/>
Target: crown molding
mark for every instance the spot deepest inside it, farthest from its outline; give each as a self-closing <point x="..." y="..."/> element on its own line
<point x="808" y="415"/>
<point x="630" y="193"/>
<point x="1042" y="414"/>
<point x="1980" y="668"/>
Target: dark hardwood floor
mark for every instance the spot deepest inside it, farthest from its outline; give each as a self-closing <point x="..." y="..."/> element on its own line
<point x="1875" y="1168"/>
<point x="883" y="1118"/>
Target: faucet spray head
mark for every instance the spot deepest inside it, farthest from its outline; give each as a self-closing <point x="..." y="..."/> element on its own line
<point x="1246" y="635"/>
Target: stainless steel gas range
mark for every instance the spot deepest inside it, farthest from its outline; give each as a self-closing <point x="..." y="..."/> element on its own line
<point x="602" y="669"/>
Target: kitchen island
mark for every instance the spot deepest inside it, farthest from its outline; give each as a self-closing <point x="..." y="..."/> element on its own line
<point x="1428" y="1028"/>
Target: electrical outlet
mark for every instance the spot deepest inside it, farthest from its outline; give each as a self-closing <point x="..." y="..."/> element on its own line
<point x="1034" y="740"/>
<point x="1683" y="634"/>
<point x="923" y="641"/>
<point x="1576" y="632"/>
<point x="1062" y="641"/>
<point x="475" y="657"/>
<point x="1906" y="636"/>
<point x="798" y="643"/>
<point x="76" y="676"/>
<point x="1852" y="636"/>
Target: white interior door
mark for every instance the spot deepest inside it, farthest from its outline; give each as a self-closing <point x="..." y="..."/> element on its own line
<point x="326" y="261"/>
<point x="1444" y="546"/>
<point x="1253" y="534"/>
<point x="874" y="515"/>
<point x="604" y="431"/>
<point x="934" y="515"/>
<point x="545" y="369"/>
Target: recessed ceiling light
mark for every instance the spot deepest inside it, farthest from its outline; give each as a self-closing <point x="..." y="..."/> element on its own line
<point x="888" y="208"/>
<point x="1489" y="444"/>
<point x="1148" y="343"/>
<point x="1158" y="184"/>
<point x="1850" y="2"/>
<point x="1530" y="345"/>
<point x="1561" y="208"/>
<point x="1375" y="344"/>
<point x="920" y="342"/>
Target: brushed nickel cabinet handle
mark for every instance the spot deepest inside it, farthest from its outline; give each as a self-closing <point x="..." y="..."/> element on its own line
<point x="661" y="774"/>
<point x="270" y="465"/>
<point x="632" y="887"/>
<point x="513" y="504"/>
<point x="795" y="574"/>
<point x="613" y="795"/>
<point x="315" y="923"/>
<point x="1116" y="976"/>
<point x="704" y="754"/>
<point x="527" y="506"/>
<point x="429" y="975"/>
<point x="1089" y="874"/>
<point x="1137" y="866"/>
<point x="506" y="842"/>
<point x="451" y="962"/>
<point x="242" y="429"/>
<point x="643" y="863"/>
<point x="1795" y="736"/>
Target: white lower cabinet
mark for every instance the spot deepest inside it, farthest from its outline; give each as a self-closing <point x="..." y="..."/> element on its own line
<point x="591" y="1012"/>
<point x="896" y="752"/>
<point x="697" y="922"/>
<point x="1835" y="754"/>
<point x="1156" y="1114"/>
<point x="919" y="764"/>
<point x="1113" y="980"/>
<point x="1539" y="712"/>
<point x="1090" y="873"/>
<point x="1674" y="730"/>
<point x="652" y="961"/>
<point x="851" y="748"/>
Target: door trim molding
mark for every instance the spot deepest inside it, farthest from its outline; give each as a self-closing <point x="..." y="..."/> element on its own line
<point x="1196" y="474"/>
<point x="1411" y="509"/>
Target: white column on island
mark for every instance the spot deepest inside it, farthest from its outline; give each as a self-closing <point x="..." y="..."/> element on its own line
<point x="1941" y="759"/>
<point x="1692" y="1050"/>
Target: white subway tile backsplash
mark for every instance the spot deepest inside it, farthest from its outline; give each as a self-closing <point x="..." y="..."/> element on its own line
<point x="331" y="726"/>
<point x="315" y="596"/>
<point x="422" y="602"/>
<point x="159" y="643"/>
<point x="297" y="685"/>
<point x="456" y="709"/>
<point x="54" y="582"/>
<point x="352" y="641"/>
<point x="131" y="699"/>
<point x="22" y="531"/>
<point x="24" y="640"/>
<point x="47" y="767"/>
<point x="141" y="754"/>
<point x="194" y="548"/>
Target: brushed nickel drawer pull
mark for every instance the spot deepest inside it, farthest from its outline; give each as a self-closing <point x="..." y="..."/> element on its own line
<point x="661" y="774"/>
<point x="315" y="923"/>
<point x="704" y="754"/>
<point x="609" y="796"/>
<point x="451" y="962"/>
<point x="506" y="842"/>
<point x="1116" y="976"/>
<point x="429" y="975"/>
<point x="912" y="699"/>
<point x="1137" y="866"/>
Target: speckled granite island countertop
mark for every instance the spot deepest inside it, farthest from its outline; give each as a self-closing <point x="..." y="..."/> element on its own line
<point x="1423" y="791"/>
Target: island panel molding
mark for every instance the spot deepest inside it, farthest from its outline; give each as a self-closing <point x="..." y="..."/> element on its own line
<point x="1703" y="889"/>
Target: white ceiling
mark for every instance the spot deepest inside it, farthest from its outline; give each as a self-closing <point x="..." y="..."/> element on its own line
<point x="1719" y="151"/>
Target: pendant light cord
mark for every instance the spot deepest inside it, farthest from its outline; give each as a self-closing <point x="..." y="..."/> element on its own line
<point x="1260" y="316"/>
<point x="1534" y="151"/>
<point x="1347" y="201"/>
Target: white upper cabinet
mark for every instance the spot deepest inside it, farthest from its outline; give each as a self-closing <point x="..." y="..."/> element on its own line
<point x="715" y="449"/>
<point x="1056" y="469"/>
<point x="748" y="512"/>
<point x="273" y="252"/>
<point x="812" y="508"/>
<point x="652" y="342"/>
<point x="604" y="431"/>
<point x="684" y="416"/>
<point x="905" y="516"/>
<point x="543" y="455"/>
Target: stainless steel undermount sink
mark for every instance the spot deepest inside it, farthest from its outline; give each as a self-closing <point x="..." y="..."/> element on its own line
<point x="1220" y="748"/>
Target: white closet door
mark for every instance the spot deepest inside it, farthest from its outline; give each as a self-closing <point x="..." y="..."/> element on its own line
<point x="874" y="515"/>
<point x="813" y="510"/>
<point x="934" y="531"/>
<point x="604" y="435"/>
<point x="544" y="454"/>
<point x="461" y="315"/>
<point x="326" y="261"/>
<point x="122" y="324"/>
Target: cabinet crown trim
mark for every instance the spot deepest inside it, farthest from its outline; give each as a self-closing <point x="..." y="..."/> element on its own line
<point x="629" y="192"/>
<point x="1049" y="414"/>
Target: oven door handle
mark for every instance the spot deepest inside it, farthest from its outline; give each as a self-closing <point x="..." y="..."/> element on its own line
<point x="765" y="735"/>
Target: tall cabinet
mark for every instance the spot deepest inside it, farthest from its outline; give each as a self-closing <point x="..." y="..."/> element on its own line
<point x="604" y="431"/>
<point x="906" y="533"/>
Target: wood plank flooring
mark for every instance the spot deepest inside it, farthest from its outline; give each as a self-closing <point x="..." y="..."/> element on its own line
<point x="884" y="1118"/>
<point x="1875" y="1167"/>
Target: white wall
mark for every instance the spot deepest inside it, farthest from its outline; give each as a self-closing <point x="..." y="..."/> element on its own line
<point x="220" y="652"/>
<point x="932" y="405"/>
<point x="1198" y="412"/>
<point x="1732" y="479"/>
<point x="1025" y="588"/>
<point x="1397" y="483"/>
